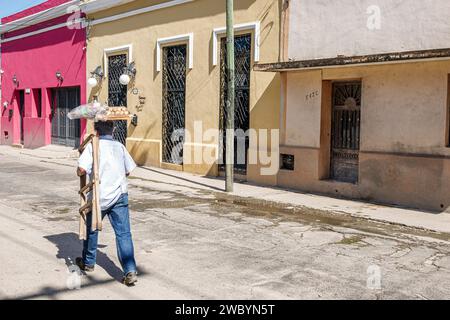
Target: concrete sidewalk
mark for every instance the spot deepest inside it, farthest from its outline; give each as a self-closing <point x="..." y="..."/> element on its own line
<point x="438" y="222"/>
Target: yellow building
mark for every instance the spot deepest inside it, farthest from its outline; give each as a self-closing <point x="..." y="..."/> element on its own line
<point x="177" y="48"/>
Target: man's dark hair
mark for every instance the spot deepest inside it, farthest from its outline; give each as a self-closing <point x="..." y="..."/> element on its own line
<point x="104" y="127"/>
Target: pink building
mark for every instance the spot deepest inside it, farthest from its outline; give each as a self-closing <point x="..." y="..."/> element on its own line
<point x="44" y="75"/>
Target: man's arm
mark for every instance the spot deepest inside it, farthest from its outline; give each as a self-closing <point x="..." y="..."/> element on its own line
<point x="130" y="165"/>
<point x="85" y="162"/>
<point x="81" y="172"/>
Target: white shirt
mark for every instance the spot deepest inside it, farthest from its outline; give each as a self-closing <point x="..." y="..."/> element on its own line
<point x="114" y="163"/>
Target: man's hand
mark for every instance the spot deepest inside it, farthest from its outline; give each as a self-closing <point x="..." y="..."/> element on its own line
<point x="81" y="172"/>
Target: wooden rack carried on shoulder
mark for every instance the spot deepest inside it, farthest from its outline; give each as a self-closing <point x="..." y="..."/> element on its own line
<point x="91" y="203"/>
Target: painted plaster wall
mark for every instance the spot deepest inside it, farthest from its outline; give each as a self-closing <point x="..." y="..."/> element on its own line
<point x="404" y="158"/>
<point x="326" y="29"/>
<point x="35" y="60"/>
<point x="404" y="106"/>
<point x="203" y="81"/>
<point x="303" y="112"/>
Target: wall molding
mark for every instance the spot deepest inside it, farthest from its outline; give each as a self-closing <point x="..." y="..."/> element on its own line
<point x="38" y="17"/>
<point x="144" y="140"/>
<point x="251" y="26"/>
<point x="88" y="8"/>
<point x="51" y="28"/>
<point x="189" y="37"/>
<point x="134" y="12"/>
<point x="111" y="51"/>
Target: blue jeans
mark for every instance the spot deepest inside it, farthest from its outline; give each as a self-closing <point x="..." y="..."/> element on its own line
<point x="119" y="217"/>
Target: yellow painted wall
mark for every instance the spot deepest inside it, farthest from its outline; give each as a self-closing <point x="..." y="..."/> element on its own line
<point x="203" y="81"/>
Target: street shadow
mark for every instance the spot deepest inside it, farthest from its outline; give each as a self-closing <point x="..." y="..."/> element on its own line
<point x="183" y="179"/>
<point x="52" y="293"/>
<point x="69" y="247"/>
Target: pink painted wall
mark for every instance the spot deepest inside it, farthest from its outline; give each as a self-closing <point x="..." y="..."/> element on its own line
<point x="35" y="60"/>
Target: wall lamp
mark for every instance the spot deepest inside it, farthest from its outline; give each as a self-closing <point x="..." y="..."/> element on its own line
<point x="128" y="74"/>
<point x="96" y="76"/>
<point x="15" y="80"/>
<point x="59" y="76"/>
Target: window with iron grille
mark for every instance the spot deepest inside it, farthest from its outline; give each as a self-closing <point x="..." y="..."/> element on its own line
<point x="117" y="93"/>
<point x="242" y="49"/>
<point x="174" y="98"/>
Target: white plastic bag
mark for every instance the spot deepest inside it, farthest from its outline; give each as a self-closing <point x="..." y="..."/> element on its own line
<point x="87" y="111"/>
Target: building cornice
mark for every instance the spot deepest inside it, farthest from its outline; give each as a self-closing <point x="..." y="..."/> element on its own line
<point x="86" y="7"/>
<point x="38" y="17"/>
<point x="96" y="8"/>
<point x="93" y="6"/>
<point x="60" y="10"/>
<point x="354" y="61"/>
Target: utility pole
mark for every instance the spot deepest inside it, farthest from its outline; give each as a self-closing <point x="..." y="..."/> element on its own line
<point x="229" y="112"/>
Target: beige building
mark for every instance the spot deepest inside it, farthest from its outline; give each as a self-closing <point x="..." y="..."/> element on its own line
<point x="365" y="103"/>
<point x="177" y="48"/>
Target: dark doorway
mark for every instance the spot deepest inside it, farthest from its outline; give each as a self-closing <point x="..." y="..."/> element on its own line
<point x="345" y="131"/>
<point x="65" y="131"/>
<point x="117" y="93"/>
<point x="243" y="46"/>
<point x="21" y="113"/>
<point x="174" y="98"/>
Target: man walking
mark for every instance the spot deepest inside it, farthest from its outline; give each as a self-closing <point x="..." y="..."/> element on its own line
<point x="115" y="164"/>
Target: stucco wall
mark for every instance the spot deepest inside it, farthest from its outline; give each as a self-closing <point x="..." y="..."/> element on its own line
<point x="404" y="106"/>
<point x="203" y="81"/>
<point x="35" y="60"/>
<point x="303" y="112"/>
<point x="325" y="29"/>
<point x="404" y="158"/>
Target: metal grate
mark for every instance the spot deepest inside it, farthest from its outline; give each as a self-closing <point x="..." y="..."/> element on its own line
<point x="65" y="131"/>
<point x="117" y="93"/>
<point x="243" y="45"/>
<point x="287" y="162"/>
<point x="174" y="97"/>
<point x="345" y="138"/>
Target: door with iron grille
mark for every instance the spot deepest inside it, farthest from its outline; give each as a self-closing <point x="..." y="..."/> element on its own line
<point x="345" y="134"/>
<point x="242" y="48"/>
<point x="174" y="97"/>
<point x="65" y="131"/>
<point x="117" y="93"/>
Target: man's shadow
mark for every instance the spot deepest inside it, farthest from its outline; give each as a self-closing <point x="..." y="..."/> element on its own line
<point x="69" y="247"/>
